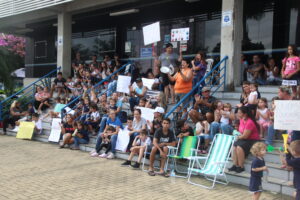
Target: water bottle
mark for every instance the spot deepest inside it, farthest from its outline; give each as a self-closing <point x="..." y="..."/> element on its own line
<point x="172" y="175"/>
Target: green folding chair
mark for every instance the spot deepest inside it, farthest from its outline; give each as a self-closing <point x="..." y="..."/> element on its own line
<point x="215" y="162"/>
<point x="184" y="150"/>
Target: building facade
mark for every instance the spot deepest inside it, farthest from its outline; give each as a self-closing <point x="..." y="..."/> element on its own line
<point x="219" y="27"/>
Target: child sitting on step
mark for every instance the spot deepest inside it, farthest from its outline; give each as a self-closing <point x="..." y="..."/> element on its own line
<point x="140" y="143"/>
<point x="106" y="143"/>
<point x="257" y="167"/>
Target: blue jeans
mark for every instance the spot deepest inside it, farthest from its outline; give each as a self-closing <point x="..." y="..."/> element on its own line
<point x="113" y="141"/>
<point x="103" y="123"/>
<point x="111" y="88"/>
<point x="133" y="101"/>
<point x="216" y="126"/>
<point x="78" y="140"/>
<point x="271" y="134"/>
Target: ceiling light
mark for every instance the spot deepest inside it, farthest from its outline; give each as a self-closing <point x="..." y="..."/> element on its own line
<point x="124" y="12"/>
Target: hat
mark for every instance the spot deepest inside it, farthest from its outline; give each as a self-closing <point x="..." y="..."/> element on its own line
<point x="138" y="80"/>
<point x="204" y="89"/>
<point x="159" y="110"/>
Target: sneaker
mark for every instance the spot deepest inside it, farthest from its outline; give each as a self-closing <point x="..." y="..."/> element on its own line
<point x="233" y="168"/>
<point x="136" y="166"/>
<point x="104" y="155"/>
<point x="126" y="163"/>
<point x="239" y="169"/>
<point x="110" y="156"/>
<point x="94" y="154"/>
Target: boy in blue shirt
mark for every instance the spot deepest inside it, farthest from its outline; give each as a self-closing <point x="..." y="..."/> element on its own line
<point x="257" y="167"/>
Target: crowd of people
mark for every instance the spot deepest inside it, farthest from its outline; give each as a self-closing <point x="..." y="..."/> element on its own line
<point x="102" y="112"/>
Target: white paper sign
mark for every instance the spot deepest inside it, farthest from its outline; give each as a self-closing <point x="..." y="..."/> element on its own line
<point x="148" y="82"/>
<point x="147" y="113"/>
<point x="287" y="115"/>
<point x="55" y="130"/>
<point x="127" y="47"/>
<point x="227" y="18"/>
<point x="123" y="140"/>
<point x="289" y="82"/>
<point x="180" y="34"/>
<point x="123" y="84"/>
<point x="151" y="33"/>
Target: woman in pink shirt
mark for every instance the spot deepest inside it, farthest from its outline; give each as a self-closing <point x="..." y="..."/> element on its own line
<point x="291" y="67"/>
<point x="249" y="135"/>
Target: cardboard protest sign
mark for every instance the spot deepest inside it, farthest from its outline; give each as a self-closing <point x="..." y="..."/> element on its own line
<point x="151" y="33"/>
<point x="123" y="84"/>
<point x="55" y="130"/>
<point x="25" y="130"/>
<point x="287" y="115"/>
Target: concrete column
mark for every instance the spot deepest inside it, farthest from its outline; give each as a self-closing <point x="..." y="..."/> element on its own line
<point x="231" y="40"/>
<point x="64" y="42"/>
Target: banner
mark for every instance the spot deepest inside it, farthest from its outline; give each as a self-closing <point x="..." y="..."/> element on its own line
<point x="25" y="130"/>
<point x="123" y="84"/>
<point x="287" y="115"/>
<point x="123" y="140"/>
<point x="55" y="130"/>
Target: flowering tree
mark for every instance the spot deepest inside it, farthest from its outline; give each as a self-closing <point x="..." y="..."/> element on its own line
<point x="12" y="53"/>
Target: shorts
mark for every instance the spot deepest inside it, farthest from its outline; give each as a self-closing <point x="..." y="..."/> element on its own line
<point x="294" y="77"/>
<point x="255" y="184"/>
<point x="245" y="145"/>
<point x="165" y="80"/>
<point x="264" y="124"/>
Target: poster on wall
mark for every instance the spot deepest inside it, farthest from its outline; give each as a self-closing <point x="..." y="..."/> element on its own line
<point x="151" y="33"/>
<point x="146" y="52"/>
<point x="127" y="47"/>
<point x="180" y="34"/>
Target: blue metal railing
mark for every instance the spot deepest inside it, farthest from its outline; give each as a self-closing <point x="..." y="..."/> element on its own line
<point x="27" y="92"/>
<point x="89" y="90"/>
<point x="215" y="80"/>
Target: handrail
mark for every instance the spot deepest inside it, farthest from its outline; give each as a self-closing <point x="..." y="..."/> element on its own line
<point x="197" y="85"/>
<point x="96" y="85"/>
<point x="28" y="89"/>
<point x="25" y="88"/>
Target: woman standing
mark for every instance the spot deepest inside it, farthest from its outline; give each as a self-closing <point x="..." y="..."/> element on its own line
<point x="199" y="67"/>
<point x="249" y="135"/>
<point x="183" y="81"/>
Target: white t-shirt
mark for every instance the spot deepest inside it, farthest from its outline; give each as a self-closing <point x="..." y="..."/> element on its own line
<point x="138" y="125"/>
<point x="224" y="119"/>
<point x="95" y="115"/>
<point x="252" y="96"/>
<point x="147" y="142"/>
<point x="263" y="112"/>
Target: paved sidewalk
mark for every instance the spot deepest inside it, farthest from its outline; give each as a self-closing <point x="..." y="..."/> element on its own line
<point x="35" y="170"/>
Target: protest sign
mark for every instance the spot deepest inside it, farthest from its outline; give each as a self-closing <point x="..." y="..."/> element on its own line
<point x="25" y="130"/>
<point x="287" y="115"/>
<point x="123" y="140"/>
<point x="55" y="130"/>
<point x="148" y="82"/>
<point x="151" y="33"/>
<point x="123" y="84"/>
<point x="180" y="34"/>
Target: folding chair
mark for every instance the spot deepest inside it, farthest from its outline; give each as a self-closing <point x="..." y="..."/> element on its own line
<point x="184" y="150"/>
<point x="215" y="162"/>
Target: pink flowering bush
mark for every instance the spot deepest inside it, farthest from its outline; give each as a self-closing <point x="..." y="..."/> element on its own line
<point x="13" y="44"/>
<point x="12" y="53"/>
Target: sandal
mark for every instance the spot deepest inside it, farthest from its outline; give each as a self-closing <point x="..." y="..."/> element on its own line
<point x="151" y="173"/>
<point x="164" y="174"/>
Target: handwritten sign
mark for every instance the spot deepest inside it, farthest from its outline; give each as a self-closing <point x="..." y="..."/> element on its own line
<point x="287" y="115"/>
<point x="25" y="130"/>
<point x="55" y="130"/>
<point x="123" y="84"/>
